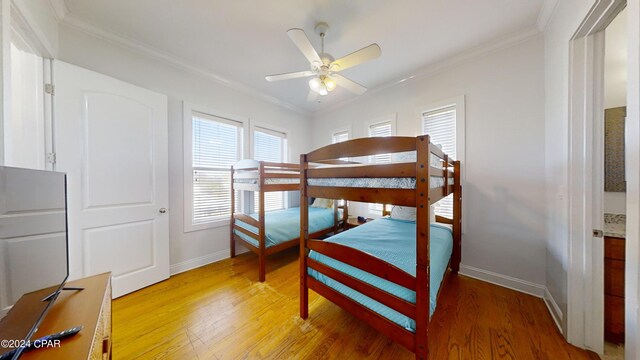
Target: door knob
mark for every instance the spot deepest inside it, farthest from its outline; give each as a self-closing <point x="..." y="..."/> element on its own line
<point x="163" y="210"/>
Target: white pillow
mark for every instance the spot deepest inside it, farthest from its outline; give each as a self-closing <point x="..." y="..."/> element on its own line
<point x="409" y="213"/>
<point x="322" y="203"/>
<point x="432" y="213"/>
<point x="403" y="213"/>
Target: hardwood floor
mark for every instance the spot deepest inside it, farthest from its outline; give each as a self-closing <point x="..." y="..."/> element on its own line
<point x="220" y="311"/>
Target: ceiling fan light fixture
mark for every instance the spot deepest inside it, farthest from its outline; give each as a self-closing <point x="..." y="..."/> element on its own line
<point x="329" y="83"/>
<point x="315" y="84"/>
<point x="322" y="84"/>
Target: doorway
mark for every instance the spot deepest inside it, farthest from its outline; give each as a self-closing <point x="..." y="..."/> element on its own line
<point x="613" y="191"/>
<point x="586" y="275"/>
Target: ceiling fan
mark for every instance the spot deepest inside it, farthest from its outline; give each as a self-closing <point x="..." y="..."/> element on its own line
<point x="324" y="68"/>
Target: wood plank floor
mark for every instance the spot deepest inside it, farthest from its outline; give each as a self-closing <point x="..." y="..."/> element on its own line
<point x="220" y="311"/>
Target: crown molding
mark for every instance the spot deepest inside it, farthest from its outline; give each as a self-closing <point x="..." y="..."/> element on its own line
<point x="74" y="22"/>
<point x="152" y="52"/>
<point x="439" y="67"/>
<point x="59" y="9"/>
<point x="546" y="13"/>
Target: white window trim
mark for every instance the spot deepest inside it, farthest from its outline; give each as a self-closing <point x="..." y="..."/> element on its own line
<point x="187" y="122"/>
<point x="393" y="120"/>
<point x="268" y="128"/>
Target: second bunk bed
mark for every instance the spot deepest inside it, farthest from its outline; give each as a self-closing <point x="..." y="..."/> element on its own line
<point x="387" y="272"/>
<point x="268" y="232"/>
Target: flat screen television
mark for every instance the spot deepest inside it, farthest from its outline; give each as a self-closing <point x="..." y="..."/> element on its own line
<point x="33" y="250"/>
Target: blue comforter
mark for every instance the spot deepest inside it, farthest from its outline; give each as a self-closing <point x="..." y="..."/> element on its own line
<point x="284" y="225"/>
<point x="393" y="241"/>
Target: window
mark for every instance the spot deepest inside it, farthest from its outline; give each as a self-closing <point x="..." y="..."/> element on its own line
<point x="379" y="129"/>
<point x="212" y="145"/>
<point x="340" y="136"/>
<point x="440" y="125"/>
<point x="269" y="146"/>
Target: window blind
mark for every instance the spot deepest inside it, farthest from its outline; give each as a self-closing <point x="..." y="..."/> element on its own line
<point x="340" y="137"/>
<point x="216" y="146"/>
<point x="269" y="146"/>
<point x="440" y="125"/>
<point x="379" y="129"/>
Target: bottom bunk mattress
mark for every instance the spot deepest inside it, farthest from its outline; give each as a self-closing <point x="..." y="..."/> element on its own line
<point x="393" y="241"/>
<point x="284" y="225"/>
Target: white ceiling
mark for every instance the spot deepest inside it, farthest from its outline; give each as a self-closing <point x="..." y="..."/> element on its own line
<point x="243" y="41"/>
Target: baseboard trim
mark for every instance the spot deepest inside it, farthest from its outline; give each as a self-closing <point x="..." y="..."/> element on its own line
<point x="202" y="261"/>
<point x="554" y="309"/>
<point x="520" y="285"/>
<point x="198" y="262"/>
<point x="509" y="282"/>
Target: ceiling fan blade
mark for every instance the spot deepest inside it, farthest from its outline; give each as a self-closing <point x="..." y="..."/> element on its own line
<point x="358" y="57"/>
<point x="287" y="76"/>
<point x="312" y="97"/>
<point x="302" y="42"/>
<point x="350" y="85"/>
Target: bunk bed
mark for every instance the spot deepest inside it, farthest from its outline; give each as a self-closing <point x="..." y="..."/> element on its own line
<point x="387" y="272"/>
<point x="268" y="232"/>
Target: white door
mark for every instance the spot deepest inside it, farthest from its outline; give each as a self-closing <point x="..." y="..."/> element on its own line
<point x="110" y="137"/>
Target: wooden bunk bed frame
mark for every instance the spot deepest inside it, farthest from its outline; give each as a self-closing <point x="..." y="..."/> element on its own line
<point x="421" y="197"/>
<point x="258" y="182"/>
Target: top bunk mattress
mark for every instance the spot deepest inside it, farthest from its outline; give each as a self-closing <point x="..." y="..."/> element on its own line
<point x="269" y="181"/>
<point x="386" y="183"/>
<point x="249" y="169"/>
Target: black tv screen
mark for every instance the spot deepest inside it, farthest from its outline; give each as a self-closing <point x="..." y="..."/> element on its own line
<point x="33" y="248"/>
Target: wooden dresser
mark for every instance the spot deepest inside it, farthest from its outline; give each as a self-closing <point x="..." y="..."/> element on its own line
<point x="90" y="308"/>
<point x="614" y="289"/>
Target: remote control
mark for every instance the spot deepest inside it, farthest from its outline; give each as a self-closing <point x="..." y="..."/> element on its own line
<point x="34" y="344"/>
<point x="60" y="335"/>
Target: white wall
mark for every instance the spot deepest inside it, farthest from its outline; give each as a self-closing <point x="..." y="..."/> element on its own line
<point x="504" y="191"/>
<point x="615" y="202"/>
<point x="615" y="90"/>
<point x="615" y="62"/>
<point x="193" y="248"/>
